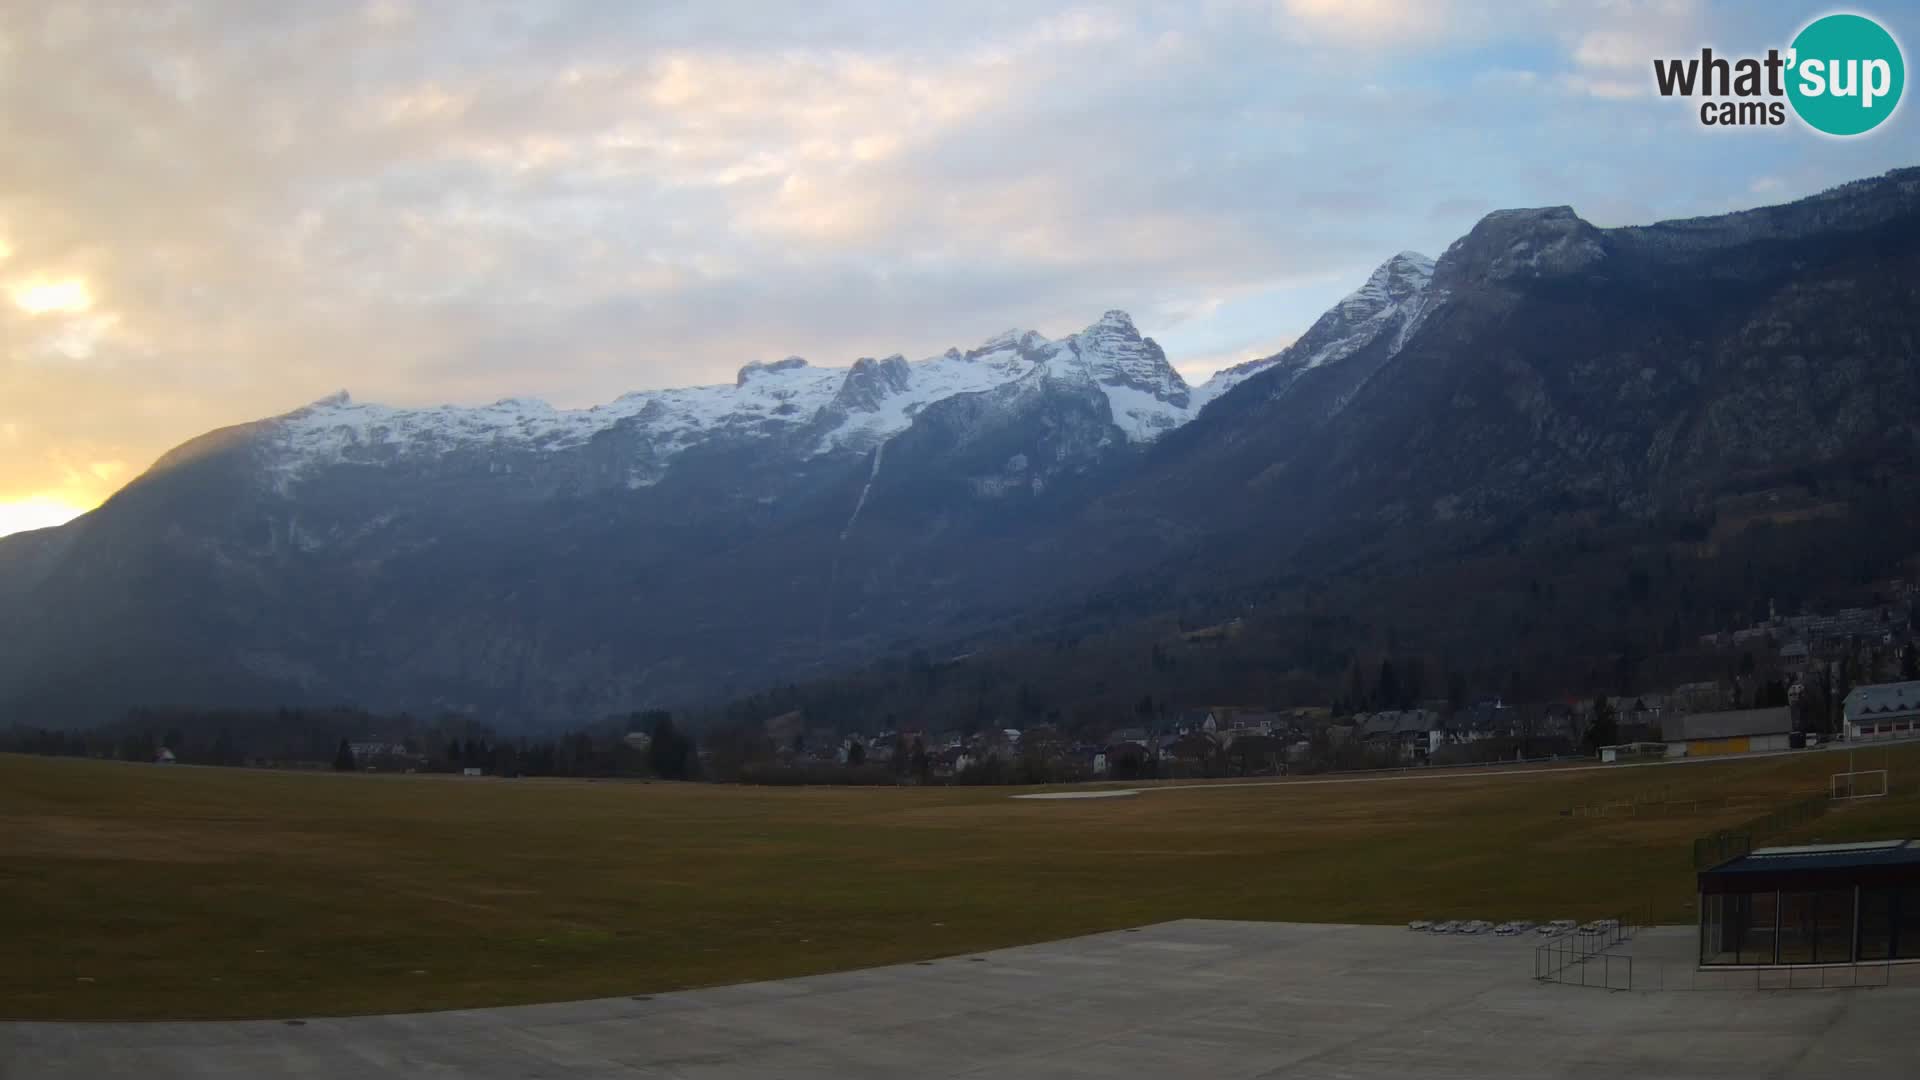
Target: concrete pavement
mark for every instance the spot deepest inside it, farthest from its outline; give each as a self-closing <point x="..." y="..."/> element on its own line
<point x="1189" y="998"/>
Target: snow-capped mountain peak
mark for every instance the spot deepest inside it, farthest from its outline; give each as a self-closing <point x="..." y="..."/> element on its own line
<point x="1394" y="299"/>
<point x="870" y="382"/>
<point x="833" y="410"/>
<point x="762" y="367"/>
<point x="1395" y="281"/>
<point x="879" y="399"/>
<point x="1548" y="241"/>
<point x="1026" y="342"/>
<point x="1146" y="395"/>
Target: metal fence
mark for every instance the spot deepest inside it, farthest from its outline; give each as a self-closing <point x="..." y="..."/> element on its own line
<point x="1585" y="958"/>
<point x="1581" y="958"/>
<point x="1717" y="847"/>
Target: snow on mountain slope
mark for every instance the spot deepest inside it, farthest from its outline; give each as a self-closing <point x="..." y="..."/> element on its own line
<point x="848" y="409"/>
<point x="764" y="399"/>
<point x="879" y="398"/>
<point x="1394" y="299"/>
<point x="854" y="408"/>
<point x="1147" y="396"/>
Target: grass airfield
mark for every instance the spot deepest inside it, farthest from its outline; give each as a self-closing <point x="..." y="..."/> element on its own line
<point x="140" y="892"/>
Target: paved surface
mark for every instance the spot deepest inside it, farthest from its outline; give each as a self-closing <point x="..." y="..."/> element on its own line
<point x="1191" y="998"/>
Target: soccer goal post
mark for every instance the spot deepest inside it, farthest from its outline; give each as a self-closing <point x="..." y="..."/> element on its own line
<point x="1862" y="784"/>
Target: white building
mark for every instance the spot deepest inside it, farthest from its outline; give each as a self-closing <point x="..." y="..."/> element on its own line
<point x="1884" y="711"/>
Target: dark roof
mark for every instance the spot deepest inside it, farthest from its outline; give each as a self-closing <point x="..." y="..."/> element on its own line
<point x="1883" y="699"/>
<point x="1382" y="723"/>
<point x="1873" y="862"/>
<point x="1409" y="721"/>
<point x="1727" y="725"/>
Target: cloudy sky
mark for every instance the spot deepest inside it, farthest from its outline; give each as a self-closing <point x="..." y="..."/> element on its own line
<point x="212" y="212"/>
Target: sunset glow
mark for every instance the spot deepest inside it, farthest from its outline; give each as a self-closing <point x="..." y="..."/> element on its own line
<point x="574" y="209"/>
<point x="36" y="512"/>
<point x="40" y="296"/>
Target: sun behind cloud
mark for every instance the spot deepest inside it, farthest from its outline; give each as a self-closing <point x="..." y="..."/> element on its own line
<point x="41" y="296"/>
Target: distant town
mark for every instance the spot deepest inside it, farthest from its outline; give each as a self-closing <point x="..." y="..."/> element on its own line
<point x="1794" y="681"/>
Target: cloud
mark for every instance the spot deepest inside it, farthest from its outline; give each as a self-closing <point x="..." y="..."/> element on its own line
<point x="1197" y="369"/>
<point x="1612" y="55"/>
<point x="40" y="296"/>
<point x="202" y="225"/>
<point x="1371" y="21"/>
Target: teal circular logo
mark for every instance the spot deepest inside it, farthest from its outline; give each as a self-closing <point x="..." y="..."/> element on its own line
<point x="1846" y="74"/>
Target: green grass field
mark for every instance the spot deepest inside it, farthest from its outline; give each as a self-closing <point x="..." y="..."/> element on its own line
<point x="135" y="891"/>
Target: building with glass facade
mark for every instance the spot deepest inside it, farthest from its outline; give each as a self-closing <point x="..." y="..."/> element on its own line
<point x="1817" y="904"/>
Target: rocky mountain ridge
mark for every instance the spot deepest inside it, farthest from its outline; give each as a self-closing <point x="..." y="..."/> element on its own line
<point x="1542" y="379"/>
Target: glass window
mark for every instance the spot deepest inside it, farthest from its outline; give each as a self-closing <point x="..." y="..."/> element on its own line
<point x="1833" y="926"/>
<point x="1757" y="914"/>
<point x="1816" y="927"/>
<point x="1719" y="936"/>
<point x="1906" y="923"/>
<point x="1797" y="912"/>
<point x="1876" y="924"/>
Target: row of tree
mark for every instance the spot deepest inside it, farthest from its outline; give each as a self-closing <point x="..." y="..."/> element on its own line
<point x="319" y="738"/>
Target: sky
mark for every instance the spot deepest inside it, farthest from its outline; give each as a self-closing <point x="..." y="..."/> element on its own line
<point x="214" y="212"/>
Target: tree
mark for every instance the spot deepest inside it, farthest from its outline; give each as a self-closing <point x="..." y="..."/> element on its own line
<point x="223" y="750"/>
<point x="1387" y="693"/>
<point x="921" y="765"/>
<point x="856" y="753"/>
<point x="669" y="754"/>
<point x="343" y="758"/>
<point x="1771" y="695"/>
<point x="1604" y="728"/>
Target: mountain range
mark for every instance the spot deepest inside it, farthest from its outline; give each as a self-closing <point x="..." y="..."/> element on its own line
<point x="1541" y="378"/>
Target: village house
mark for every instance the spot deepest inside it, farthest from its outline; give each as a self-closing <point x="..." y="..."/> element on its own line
<point x="1882" y="711"/>
<point x="1252" y="722"/>
<point x="1735" y="731"/>
<point x="1408" y="733"/>
<point x="1195" y="748"/>
<point x="1188" y="721"/>
<point x="376" y="748"/>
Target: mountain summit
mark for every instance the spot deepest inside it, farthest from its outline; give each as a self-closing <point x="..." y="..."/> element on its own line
<point x="1390" y="304"/>
<point x="1544" y="386"/>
